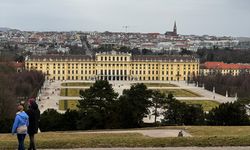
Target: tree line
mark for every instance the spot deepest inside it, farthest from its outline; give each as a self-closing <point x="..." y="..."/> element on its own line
<point x="15" y="87"/>
<point x="232" y="84"/>
<point x="101" y="108"/>
<point x="226" y="55"/>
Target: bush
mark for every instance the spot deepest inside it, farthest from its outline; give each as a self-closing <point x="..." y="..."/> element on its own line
<point x="6" y="125"/>
<point x="51" y="120"/>
<point x="228" y="114"/>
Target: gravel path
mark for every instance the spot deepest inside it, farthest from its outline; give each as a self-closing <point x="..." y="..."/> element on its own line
<point x="152" y="133"/>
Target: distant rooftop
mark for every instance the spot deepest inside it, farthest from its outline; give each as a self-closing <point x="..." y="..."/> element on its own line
<point x="222" y="65"/>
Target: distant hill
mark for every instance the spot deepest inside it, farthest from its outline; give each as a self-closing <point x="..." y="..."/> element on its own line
<point x="4" y="29"/>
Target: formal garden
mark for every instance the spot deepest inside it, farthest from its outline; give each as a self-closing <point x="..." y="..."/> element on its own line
<point x="207" y="105"/>
<point x="180" y="92"/>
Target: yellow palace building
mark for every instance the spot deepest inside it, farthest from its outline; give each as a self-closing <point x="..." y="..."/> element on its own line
<point x="115" y="66"/>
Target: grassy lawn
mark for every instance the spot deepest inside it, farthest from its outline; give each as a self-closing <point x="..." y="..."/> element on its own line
<point x="70" y="92"/>
<point x="68" y="104"/>
<point x="219" y="131"/>
<point x="202" y="136"/>
<point x="159" y="85"/>
<point x="206" y="104"/>
<point x="179" y="92"/>
<point x="87" y="84"/>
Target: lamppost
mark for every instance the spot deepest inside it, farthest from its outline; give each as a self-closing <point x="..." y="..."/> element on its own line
<point x="236" y="96"/>
<point x="178" y="76"/>
<point x="214" y="92"/>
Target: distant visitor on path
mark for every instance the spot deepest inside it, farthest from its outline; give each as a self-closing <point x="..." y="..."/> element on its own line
<point x="20" y="126"/>
<point x="180" y="134"/>
<point x="34" y="117"/>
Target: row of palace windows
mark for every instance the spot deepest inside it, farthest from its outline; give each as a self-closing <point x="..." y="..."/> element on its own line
<point x="117" y="72"/>
<point x="125" y="65"/>
<point x="162" y="68"/>
<point x="59" y="64"/>
<point x="156" y="78"/>
<point x="156" y="72"/>
<point x="93" y="64"/>
<point x="88" y="77"/>
<point x="72" y="72"/>
<point x="94" y="68"/>
<point x="114" y="72"/>
<point x="110" y="58"/>
<point x="71" y="78"/>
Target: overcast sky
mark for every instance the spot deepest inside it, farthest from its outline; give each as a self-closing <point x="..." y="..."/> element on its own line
<point x="212" y="17"/>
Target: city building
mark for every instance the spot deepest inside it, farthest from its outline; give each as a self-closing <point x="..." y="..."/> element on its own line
<point x="172" y="33"/>
<point x="115" y="66"/>
<point x="210" y="68"/>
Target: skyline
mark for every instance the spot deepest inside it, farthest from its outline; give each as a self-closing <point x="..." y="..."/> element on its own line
<point x="198" y="17"/>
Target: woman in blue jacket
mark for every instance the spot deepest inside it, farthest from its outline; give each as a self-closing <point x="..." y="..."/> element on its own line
<point x="20" y="126"/>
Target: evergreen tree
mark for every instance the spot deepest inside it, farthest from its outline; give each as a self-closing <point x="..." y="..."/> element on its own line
<point x="134" y="106"/>
<point x="159" y="101"/>
<point x="228" y="114"/>
<point x="97" y="105"/>
<point x="179" y="113"/>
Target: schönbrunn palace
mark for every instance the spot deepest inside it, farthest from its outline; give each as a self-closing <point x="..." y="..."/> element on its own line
<point x="115" y="66"/>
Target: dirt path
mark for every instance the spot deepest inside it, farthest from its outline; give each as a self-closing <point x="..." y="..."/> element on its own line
<point x="151" y="133"/>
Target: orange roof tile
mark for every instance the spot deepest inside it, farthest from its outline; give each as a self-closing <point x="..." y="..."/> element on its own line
<point x="222" y="65"/>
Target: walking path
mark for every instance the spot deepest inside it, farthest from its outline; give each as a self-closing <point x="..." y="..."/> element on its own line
<point x="151" y="133"/>
<point x="205" y="93"/>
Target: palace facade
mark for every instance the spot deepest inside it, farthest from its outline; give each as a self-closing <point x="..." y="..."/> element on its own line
<point x="115" y="66"/>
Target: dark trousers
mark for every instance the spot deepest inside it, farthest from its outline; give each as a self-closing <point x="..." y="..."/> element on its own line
<point x="32" y="142"/>
<point x="21" y="138"/>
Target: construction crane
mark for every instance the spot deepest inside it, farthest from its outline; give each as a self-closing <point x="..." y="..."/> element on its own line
<point x="126" y="28"/>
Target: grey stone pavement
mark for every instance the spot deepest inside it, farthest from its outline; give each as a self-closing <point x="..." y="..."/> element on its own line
<point x="168" y="148"/>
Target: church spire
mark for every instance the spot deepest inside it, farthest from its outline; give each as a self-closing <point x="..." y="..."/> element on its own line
<point x="175" y="28"/>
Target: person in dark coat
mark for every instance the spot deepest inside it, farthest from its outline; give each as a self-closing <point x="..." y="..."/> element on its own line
<point x="34" y="117"/>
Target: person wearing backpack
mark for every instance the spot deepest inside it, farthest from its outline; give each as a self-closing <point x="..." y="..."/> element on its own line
<point x="20" y="126"/>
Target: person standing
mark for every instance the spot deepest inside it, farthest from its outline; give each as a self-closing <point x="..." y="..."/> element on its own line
<point x="20" y="126"/>
<point x="34" y="117"/>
